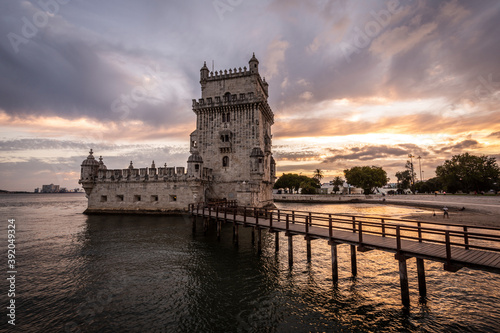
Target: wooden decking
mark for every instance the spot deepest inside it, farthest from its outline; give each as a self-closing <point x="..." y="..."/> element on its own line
<point x="455" y="245"/>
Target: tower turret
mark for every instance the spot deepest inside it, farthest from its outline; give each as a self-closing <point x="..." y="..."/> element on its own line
<point x="88" y="172"/>
<point x="254" y="65"/>
<point x="195" y="165"/>
<point x="204" y="72"/>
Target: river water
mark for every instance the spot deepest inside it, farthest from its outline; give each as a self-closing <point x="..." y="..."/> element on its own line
<point x="78" y="273"/>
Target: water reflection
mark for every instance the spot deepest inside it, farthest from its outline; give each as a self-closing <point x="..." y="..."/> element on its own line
<point x="151" y="273"/>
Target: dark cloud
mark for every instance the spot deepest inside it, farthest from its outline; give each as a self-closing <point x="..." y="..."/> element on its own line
<point x="494" y="135"/>
<point x="367" y="153"/>
<point x="462" y="145"/>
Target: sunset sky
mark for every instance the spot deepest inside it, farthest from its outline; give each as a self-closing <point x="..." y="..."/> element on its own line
<point x="351" y="83"/>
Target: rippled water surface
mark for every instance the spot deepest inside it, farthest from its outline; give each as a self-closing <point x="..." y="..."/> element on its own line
<point x="115" y="273"/>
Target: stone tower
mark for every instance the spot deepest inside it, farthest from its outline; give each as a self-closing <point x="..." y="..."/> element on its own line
<point x="233" y="134"/>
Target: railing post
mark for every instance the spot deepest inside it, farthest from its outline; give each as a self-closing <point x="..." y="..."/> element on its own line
<point x="244" y="215"/>
<point x="419" y="232"/>
<point x="279" y="216"/>
<point x="360" y="233"/>
<point x="293" y="216"/>
<point x="307" y="226"/>
<point x="448" y="247"/>
<point x="383" y="228"/>
<point x="398" y="238"/>
<point x="256" y="216"/>
<point x="270" y="219"/>
<point x="354" y="224"/>
<point x="466" y="238"/>
<point x="209" y="211"/>
<point x="217" y="212"/>
<point x="310" y="218"/>
<point x="330" y="226"/>
<point x="225" y="215"/>
<point x="287" y="222"/>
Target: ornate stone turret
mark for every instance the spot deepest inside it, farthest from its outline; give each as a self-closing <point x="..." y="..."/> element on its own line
<point x="195" y="165"/>
<point x="254" y="65"/>
<point x="204" y="72"/>
<point x="88" y="172"/>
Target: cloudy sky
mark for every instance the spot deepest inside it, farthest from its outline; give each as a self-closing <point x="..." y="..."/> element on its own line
<point x="351" y="82"/>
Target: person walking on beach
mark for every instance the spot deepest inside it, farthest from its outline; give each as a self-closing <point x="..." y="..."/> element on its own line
<point x="445" y="210"/>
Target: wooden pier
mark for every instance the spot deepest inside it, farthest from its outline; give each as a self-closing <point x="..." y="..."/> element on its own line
<point x="454" y="245"/>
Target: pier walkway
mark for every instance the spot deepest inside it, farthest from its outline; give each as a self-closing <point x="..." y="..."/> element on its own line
<point x="454" y="245"/>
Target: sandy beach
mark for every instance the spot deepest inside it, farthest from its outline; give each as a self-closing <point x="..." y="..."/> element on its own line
<point x="475" y="210"/>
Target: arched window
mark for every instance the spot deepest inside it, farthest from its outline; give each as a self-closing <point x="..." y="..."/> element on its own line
<point x="225" y="162"/>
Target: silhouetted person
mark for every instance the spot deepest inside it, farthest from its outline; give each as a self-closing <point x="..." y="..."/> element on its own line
<point x="445" y="210"/>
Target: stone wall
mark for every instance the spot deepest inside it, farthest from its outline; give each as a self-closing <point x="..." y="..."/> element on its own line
<point x="144" y="196"/>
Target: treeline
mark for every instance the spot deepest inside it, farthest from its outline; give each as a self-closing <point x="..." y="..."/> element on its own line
<point x="462" y="173"/>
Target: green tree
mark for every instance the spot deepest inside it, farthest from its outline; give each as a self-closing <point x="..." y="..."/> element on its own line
<point x="318" y="175"/>
<point x="468" y="172"/>
<point x="337" y="182"/>
<point x="365" y="177"/>
<point x="309" y="186"/>
<point x="404" y="180"/>
<point x="429" y="186"/>
<point x="294" y="181"/>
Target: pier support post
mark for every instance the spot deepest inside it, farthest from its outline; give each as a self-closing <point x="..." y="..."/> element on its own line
<point x="335" y="262"/>
<point x="205" y="225"/>
<point x="290" y="250"/>
<point x="219" y="223"/>
<point x="403" y="280"/>
<point x="422" y="288"/>
<point x="276" y="242"/>
<point x="308" y="246"/>
<point x="235" y="234"/>
<point x="354" y="265"/>
<point x="259" y="240"/>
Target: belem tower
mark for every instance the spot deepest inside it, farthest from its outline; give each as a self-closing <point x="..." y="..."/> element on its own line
<point x="231" y="157"/>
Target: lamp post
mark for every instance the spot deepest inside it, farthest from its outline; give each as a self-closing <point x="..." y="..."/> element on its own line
<point x="420" y="167"/>
<point x="411" y="165"/>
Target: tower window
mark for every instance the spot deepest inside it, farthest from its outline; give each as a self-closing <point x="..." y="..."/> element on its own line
<point x="197" y="167"/>
<point x="228" y="116"/>
<point x="119" y="197"/>
<point x="154" y="198"/>
<point x="104" y="198"/>
<point x="225" y="161"/>
<point x="223" y="117"/>
<point x="137" y="198"/>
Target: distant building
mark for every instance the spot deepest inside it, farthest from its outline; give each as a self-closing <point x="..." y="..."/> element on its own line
<point x="231" y="156"/>
<point x="50" y="188"/>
